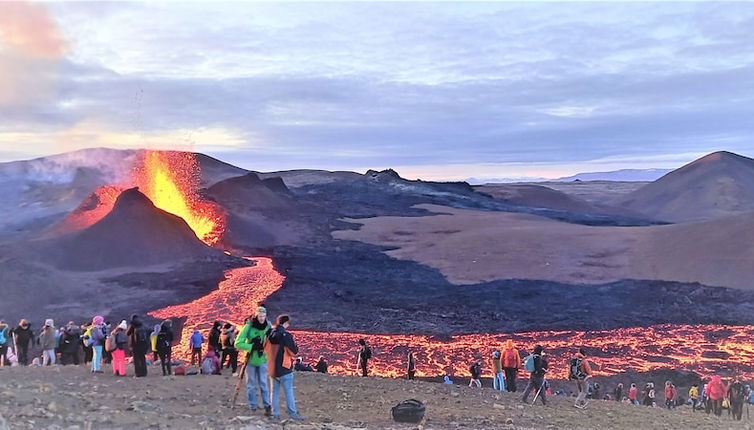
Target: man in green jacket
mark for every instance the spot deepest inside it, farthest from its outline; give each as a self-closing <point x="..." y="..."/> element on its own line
<point x="252" y="339"/>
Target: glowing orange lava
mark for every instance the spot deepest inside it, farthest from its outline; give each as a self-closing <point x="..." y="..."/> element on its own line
<point x="171" y="181"/>
<point x="705" y="349"/>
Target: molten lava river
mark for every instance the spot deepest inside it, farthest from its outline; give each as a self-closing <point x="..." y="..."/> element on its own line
<point x="704" y="349"/>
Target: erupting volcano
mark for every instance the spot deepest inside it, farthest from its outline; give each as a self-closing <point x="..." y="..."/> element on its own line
<point x="171" y="180"/>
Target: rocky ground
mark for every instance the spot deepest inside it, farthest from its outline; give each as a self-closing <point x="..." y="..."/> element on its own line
<point x="72" y="398"/>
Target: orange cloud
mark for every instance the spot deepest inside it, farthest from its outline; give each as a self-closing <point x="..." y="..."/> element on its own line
<point x="29" y="28"/>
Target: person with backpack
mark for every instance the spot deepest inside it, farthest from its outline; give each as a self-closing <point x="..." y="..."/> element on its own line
<point x="511" y="363"/>
<point x="618" y="393"/>
<point x="4" y="337"/>
<point x="153" y="341"/>
<point x="252" y="339"/>
<point x="365" y="354"/>
<point x="227" y="343"/>
<point x="498" y="383"/>
<point x="195" y="344"/>
<point x="649" y="395"/>
<point x="96" y="339"/>
<point x="321" y="365"/>
<point x="476" y="372"/>
<point x="211" y="363"/>
<point x="633" y="395"/>
<point x="24" y="336"/>
<point x="737" y="396"/>
<point x="138" y="343"/>
<point x="580" y="371"/>
<point x="85" y="345"/>
<point x="164" y="346"/>
<point x="214" y="337"/>
<point x="536" y="364"/>
<point x="716" y="392"/>
<point x="281" y="352"/>
<point x="411" y="370"/>
<point x="70" y="344"/>
<point x="670" y="395"/>
<point x="694" y="396"/>
<point x="48" y="342"/>
<point x="119" y="342"/>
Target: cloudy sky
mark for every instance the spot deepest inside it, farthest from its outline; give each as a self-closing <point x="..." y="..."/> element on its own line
<point x="435" y="90"/>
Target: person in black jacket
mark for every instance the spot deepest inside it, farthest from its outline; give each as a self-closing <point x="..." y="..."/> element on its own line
<point x="165" y="346"/>
<point x="214" y="338"/>
<point x="537" y="378"/>
<point x="70" y="344"/>
<point x="283" y="350"/>
<point x="24" y="337"/>
<point x="321" y="365"/>
<point x="138" y="342"/>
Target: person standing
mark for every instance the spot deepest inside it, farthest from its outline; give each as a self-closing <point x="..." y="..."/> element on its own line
<point x="153" y="341"/>
<point x="71" y="344"/>
<point x="476" y="372"/>
<point x="580" y="371"/>
<point x="119" y="353"/>
<point x="4" y="341"/>
<point x="24" y="336"/>
<point x="670" y="395"/>
<point x="282" y="350"/>
<point x="365" y="354"/>
<point x="716" y="391"/>
<point x="253" y="340"/>
<point x="511" y="363"/>
<point x="138" y="342"/>
<point x="214" y="337"/>
<point x="48" y="342"/>
<point x="411" y="371"/>
<point x="498" y="383"/>
<point x="164" y="346"/>
<point x="227" y="343"/>
<point x="633" y="394"/>
<point x="618" y="393"/>
<point x="694" y="396"/>
<point x="537" y="376"/>
<point x="195" y="343"/>
<point x="97" y="342"/>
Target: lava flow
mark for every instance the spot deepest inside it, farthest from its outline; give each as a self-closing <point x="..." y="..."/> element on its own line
<point x="171" y="180"/>
<point x="705" y="349"/>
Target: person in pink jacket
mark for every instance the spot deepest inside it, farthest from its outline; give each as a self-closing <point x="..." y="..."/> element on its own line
<point x="716" y="390"/>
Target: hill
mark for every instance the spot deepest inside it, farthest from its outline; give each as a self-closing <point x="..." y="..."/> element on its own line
<point x="716" y="185"/>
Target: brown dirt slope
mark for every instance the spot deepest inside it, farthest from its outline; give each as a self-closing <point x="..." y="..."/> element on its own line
<point x="70" y="397"/>
<point x="476" y="246"/>
<point x="719" y="184"/>
<point x="134" y="233"/>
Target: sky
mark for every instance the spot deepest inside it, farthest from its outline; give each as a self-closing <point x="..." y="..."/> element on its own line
<point x="434" y="90"/>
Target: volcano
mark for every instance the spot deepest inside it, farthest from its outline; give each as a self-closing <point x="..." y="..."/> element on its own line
<point x="719" y="184"/>
<point x="134" y="233"/>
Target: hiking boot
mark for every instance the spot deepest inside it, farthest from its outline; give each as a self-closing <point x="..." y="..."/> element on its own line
<point x="268" y="411"/>
<point x="297" y="417"/>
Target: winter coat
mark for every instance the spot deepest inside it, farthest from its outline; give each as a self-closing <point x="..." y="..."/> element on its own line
<point x="6" y="334"/>
<point x="281" y="352"/>
<point x="196" y="340"/>
<point x="633" y="393"/>
<point x="214" y="337"/>
<point x="540" y="366"/>
<point x="228" y="338"/>
<point x="121" y="340"/>
<point x="511" y="358"/>
<point x="254" y="333"/>
<point x="497" y="365"/>
<point x="138" y="336"/>
<point x="47" y="338"/>
<point x="70" y="342"/>
<point x="98" y="335"/>
<point x="167" y="333"/>
<point x="716" y="389"/>
<point x="694" y="392"/>
<point x="23" y="335"/>
<point x="475" y="370"/>
<point x="669" y="392"/>
<point x="321" y="366"/>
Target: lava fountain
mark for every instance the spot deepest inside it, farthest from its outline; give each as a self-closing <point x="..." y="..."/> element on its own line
<point x="171" y="180"/>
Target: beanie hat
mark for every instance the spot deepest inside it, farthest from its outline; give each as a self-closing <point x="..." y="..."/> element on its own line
<point x="123" y="324"/>
<point x="262" y="311"/>
<point x="99" y="319"/>
<point x="49" y="322"/>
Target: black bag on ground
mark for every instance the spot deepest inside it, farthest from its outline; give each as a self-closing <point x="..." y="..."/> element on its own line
<point x="408" y="411"/>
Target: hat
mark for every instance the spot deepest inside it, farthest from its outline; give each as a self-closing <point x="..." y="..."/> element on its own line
<point x="262" y="311"/>
<point x="123" y="324"/>
<point x="99" y="319"/>
<point x="49" y="322"/>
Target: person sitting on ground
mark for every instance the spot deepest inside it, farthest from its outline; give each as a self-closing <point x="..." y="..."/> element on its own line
<point x="446" y="380"/>
<point x="321" y="365"/>
<point x="537" y="376"/>
<point x="299" y="366"/>
<point x="195" y="343"/>
<point x="476" y="372"/>
<point x="48" y="343"/>
<point x="633" y="395"/>
<point x="580" y="371"/>
<point x="119" y="353"/>
<point x="211" y="364"/>
<point x="694" y="396"/>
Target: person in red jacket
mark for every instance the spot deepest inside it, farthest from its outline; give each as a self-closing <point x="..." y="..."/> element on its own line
<point x="633" y="395"/>
<point x="671" y="395"/>
<point x="716" y="391"/>
<point x="511" y="361"/>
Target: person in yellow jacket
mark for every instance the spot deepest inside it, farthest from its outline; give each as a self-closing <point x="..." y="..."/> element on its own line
<point x="694" y="396"/>
<point x="153" y="341"/>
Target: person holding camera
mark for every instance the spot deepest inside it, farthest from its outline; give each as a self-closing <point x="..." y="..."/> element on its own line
<point x="252" y="339"/>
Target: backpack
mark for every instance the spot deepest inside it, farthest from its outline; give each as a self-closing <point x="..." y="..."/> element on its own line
<point x="208" y="367"/>
<point x="3" y="339"/>
<point x="575" y="371"/>
<point x="162" y="342"/>
<point x="408" y="411"/>
<point x="180" y="371"/>
<point x="368" y="352"/>
<point x="110" y="344"/>
<point x="529" y="363"/>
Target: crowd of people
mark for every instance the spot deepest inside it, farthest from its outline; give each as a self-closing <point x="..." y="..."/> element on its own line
<point x="271" y="358"/>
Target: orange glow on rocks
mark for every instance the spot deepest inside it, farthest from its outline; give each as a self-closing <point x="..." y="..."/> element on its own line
<point x="171" y="180"/>
<point x="705" y="349"/>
